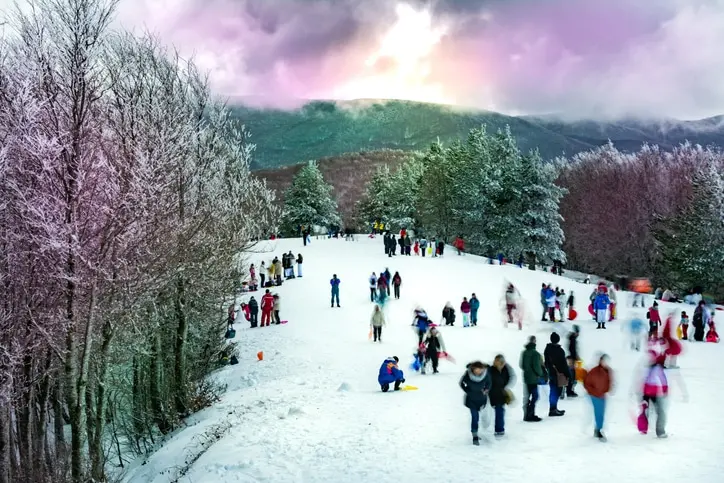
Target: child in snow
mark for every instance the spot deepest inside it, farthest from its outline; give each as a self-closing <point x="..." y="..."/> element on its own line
<point x="476" y="384"/>
<point x="465" y="309"/>
<point x="598" y="383"/>
<point x="247" y="311"/>
<point x="377" y="322"/>
<point x="416" y="248"/>
<point x="253" y="312"/>
<point x="300" y="259"/>
<point x="654" y="321"/>
<point x="600" y="307"/>
<point x="511" y="302"/>
<point x="655" y="390"/>
<point x="231" y="315"/>
<point x="434" y="345"/>
<point x="502" y="379"/>
<point x="421" y="324"/>
<point x="684" y="325"/>
<point x="389" y="373"/>
<point x="570" y="303"/>
<point x="560" y="303"/>
<point x="636" y="327"/>
<point x="711" y="335"/>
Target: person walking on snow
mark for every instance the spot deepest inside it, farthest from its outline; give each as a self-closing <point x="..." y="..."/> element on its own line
<point x="373" y="287"/>
<point x="396" y="282"/>
<point x="531" y="363"/>
<point x="390" y="373"/>
<point x="388" y="280"/>
<point x="655" y="321"/>
<point x="465" y="309"/>
<point x="573" y="354"/>
<point x="474" y="307"/>
<point x="377" y="322"/>
<point x="334" y="282"/>
<point x="655" y="393"/>
<point x="570" y="303"/>
<point x="299" y="265"/>
<point x="434" y="345"/>
<point x="382" y="285"/>
<point x="557" y="367"/>
<point x="476" y="384"/>
<point x="267" y="305"/>
<point x="421" y="324"/>
<point x="598" y="383"/>
<point x="511" y="304"/>
<point x="600" y="308"/>
<point x="502" y="379"/>
<point x="543" y="302"/>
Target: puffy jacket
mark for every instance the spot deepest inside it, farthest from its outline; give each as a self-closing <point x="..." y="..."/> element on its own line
<point x="476" y="388"/>
<point x="373" y="281"/>
<point x="500" y="381"/>
<point x="531" y="363"/>
<point x="389" y="372"/>
<point x="253" y="305"/>
<point x="448" y="313"/>
<point x="378" y="319"/>
<point x="601" y="302"/>
<point x="465" y="307"/>
<point x="555" y="360"/>
<point x="654" y="316"/>
<point x="334" y="282"/>
<point x="397" y="280"/>
<point x="474" y="304"/>
<point x="434" y="343"/>
<point x="421" y="320"/>
<point x="598" y="381"/>
<point x="267" y="302"/>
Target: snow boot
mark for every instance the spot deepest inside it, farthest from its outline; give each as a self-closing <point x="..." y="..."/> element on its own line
<point x="397" y="384"/>
<point x="599" y="326"/>
<point x="476" y="439"/>
<point x="385" y="387"/>
<point x="599" y="435"/>
<point x="499" y="434"/>
<point x="554" y="412"/>
<point x="571" y="394"/>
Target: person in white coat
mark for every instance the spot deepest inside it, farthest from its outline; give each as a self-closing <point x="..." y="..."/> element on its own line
<point x="377" y="322"/>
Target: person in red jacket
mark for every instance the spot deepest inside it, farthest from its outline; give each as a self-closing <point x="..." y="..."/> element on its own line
<point x="598" y="383"/>
<point x="460" y="245"/>
<point x="654" y="321"/>
<point x="267" y="306"/>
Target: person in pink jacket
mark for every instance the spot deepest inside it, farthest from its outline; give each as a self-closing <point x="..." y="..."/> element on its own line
<point x="465" y="309"/>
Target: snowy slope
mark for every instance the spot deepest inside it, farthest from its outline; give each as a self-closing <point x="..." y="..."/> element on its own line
<point x="312" y="410"/>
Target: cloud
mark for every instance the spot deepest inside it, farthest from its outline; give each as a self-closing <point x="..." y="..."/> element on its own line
<point x="577" y="58"/>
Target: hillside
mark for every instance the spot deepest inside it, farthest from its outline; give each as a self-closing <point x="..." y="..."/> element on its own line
<point x="322" y="129"/>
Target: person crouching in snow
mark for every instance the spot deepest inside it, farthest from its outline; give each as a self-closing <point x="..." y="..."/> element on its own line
<point x="600" y="308"/>
<point x="390" y="373"/>
<point x="434" y="345"/>
<point x="465" y="309"/>
<point x="598" y="383"/>
<point x="711" y="335"/>
<point x="476" y="384"/>
<point x="448" y="314"/>
<point x="502" y="378"/>
<point x="377" y="322"/>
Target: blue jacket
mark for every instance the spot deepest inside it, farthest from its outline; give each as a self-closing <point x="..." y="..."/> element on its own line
<point x="389" y="372"/>
<point x="636" y="325"/>
<point x="474" y="304"/>
<point x="601" y="302"/>
<point x="335" y="284"/>
<point x="421" y="321"/>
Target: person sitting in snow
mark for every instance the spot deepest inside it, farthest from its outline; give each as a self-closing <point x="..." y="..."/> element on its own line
<point x="711" y="335"/>
<point x="390" y="373"/>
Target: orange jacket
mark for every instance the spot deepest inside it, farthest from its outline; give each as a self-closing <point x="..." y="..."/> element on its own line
<point x="598" y="381"/>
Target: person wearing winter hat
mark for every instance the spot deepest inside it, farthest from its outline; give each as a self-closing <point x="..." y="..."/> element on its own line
<point x="559" y="374"/>
<point x="389" y="373"/>
<point x="531" y="363"/>
<point x="476" y="384"/>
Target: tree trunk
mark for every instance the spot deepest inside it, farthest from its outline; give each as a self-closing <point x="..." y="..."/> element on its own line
<point x="58" y="420"/>
<point x="180" y="396"/>
<point x="96" y="444"/>
<point x="40" y="438"/>
<point x="4" y="443"/>
<point x="160" y="415"/>
<point x="25" y="420"/>
<point x="139" y="411"/>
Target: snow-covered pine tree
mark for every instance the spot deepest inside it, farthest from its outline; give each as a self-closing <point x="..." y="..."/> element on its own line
<point x="691" y="243"/>
<point x="309" y="201"/>
<point x="538" y="219"/>
<point x="374" y="204"/>
<point x="437" y="192"/>
<point x="403" y="193"/>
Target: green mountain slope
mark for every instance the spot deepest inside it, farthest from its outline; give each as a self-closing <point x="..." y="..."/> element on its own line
<point x="324" y="128"/>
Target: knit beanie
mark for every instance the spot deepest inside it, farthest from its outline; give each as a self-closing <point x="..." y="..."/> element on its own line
<point x="555" y="338"/>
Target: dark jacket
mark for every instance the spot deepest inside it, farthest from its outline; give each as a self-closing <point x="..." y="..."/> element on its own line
<point x="253" y="305"/>
<point x="433" y="346"/>
<point x="475" y="390"/>
<point x="531" y="363"/>
<point x="500" y="380"/>
<point x="299" y="258"/>
<point x="555" y="360"/>
<point x="448" y="313"/>
<point x="573" y="346"/>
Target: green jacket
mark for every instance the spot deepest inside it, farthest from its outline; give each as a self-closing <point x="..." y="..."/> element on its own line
<point x="531" y="363"/>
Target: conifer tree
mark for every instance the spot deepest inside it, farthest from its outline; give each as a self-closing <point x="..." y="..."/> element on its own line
<point x="309" y="201"/>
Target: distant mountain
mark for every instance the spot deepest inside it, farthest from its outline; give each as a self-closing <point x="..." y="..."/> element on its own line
<point x="322" y="129"/>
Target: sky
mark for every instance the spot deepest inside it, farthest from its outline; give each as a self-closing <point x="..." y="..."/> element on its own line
<point x="575" y="58"/>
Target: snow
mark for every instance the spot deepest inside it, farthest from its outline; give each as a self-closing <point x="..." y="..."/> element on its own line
<point x="312" y="410"/>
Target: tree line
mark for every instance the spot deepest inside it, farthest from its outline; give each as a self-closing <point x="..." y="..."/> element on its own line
<point x="126" y="202"/>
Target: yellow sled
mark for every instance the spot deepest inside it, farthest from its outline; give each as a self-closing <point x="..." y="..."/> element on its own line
<point x="408" y="388"/>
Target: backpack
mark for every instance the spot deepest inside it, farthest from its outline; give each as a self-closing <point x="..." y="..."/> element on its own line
<point x="230" y="333"/>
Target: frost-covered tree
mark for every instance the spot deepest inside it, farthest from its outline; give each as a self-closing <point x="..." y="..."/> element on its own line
<point x="374" y="204"/>
<point x="403" y="194"/>
<point x="691" y="244"/>
<point x="437" y="192"/>
<point x="309" y="201"/>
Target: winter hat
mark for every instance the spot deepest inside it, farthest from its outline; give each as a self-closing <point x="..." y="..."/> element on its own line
<point x="555" y="338"/>
<point x="576" y="328"/>
<point x="397" y="359"/>
<point x="476" y="365"/>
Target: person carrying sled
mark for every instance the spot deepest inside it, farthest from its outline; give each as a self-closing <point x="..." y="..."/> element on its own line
<point x="434" y="345"/>
<point x="598" y="383"/>
<point x="655" y="391"/>
<point x="531" y="363"/>
<point x="474" y="307"/>
<point x="600" y="308"/>
<point x="267" y="306"/>
<point x="334" y="282"/>
<point x="570" y="304"/>
<point x="502" y="379"/>
<point x="557" y="367"/>
<point x="377" y="322"/>
<point x="476" y="384"/>
<point x="465" y="310"/>
<point x="390" y="373"/>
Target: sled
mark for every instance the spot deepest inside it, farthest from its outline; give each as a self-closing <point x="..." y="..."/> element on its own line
<point x="369" y="335"/>
<point x="408" y="388"/>
<point x="679" y="332"/>
<point x="445" y="355"/>
<point x="284" y="322"/>
<point x="613" y="312"/>
<point x="590" y="310"/>
<point x="572" y="314"/>
<point x="642" y="422"/>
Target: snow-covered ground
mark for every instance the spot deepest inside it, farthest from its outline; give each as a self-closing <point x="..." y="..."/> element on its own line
<point x="312" y="410"/>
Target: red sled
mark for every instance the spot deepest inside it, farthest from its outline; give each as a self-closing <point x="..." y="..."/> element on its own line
<point x="445" y="355"/>
<point x="572" y="314"/>
<point x="590" y="310"/>
<point x="284" y="321"/>
<point x="642" y="422"/>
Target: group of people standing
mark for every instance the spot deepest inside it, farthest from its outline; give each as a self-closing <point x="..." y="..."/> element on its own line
<point x="407" y="247"/>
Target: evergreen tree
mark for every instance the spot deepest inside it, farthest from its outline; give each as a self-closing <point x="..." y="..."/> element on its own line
<point x="539" y="219"/>
<point x="309" y="201"/>
<point x="437" y="192"/>
<point x="691" y="243"/>
<point x="374" y="204"/>
<point x="403" y="194"/>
